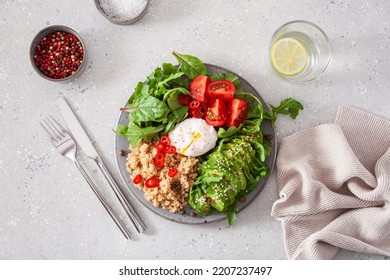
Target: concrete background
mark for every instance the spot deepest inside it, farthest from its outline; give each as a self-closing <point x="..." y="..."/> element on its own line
<point x="48" y="210"/>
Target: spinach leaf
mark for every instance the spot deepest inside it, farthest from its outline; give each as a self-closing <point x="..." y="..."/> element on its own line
<point x="288" y="106"/>
<point x="172" y="97"/>
<point x="173" y="100"/>
<point x="148" y="108"/>
<point x="171" y="123"/>
<point x="135" y="134"/>
<point x="181" y="113"/>
<point x="190" y="65"/>
<point x="177" y="115"/>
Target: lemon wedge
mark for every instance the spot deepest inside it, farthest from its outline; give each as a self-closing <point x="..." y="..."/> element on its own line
<point x="289" y="56"/>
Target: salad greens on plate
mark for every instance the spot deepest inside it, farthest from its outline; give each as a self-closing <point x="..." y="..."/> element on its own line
<point x="236" y="165"/>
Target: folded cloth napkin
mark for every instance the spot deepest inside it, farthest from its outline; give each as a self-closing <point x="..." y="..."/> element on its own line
<point x="334" y="187"/>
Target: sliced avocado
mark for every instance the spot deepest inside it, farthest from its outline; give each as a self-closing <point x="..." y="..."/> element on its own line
<point x="218" y="198"/>
<point x="229" y="170"/>
<point x="197" y="200"/>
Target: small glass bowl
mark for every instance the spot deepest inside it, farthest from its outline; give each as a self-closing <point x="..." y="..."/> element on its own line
<point x="315" y="41"/>
<point x="46" y="31"/>
<point x="127" y="21"/>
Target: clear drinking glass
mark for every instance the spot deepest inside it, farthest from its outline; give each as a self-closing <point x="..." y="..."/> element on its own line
<point x="300" y="51"/>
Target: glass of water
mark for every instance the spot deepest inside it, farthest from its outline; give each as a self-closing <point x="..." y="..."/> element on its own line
<point x="300" y="51"/>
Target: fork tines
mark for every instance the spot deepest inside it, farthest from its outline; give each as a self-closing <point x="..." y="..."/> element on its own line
<point x="54" y="129"/>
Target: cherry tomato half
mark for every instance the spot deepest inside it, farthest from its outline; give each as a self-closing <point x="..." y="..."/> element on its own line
<point x="185" y="99"/>
<point x="161" y="146"/>
<point x="236" y="112"/>
<point x="170" y="150"/>
<point x="152" y="183"/>
<point x="165" y="139"/>
<point x="221" y="89"/>
<point x="198" y="88"/>
<point x="216" y="112"/>
<point x="172" y="172"/>
<point x="137" y="179"/>
<point x="159" y="160"/>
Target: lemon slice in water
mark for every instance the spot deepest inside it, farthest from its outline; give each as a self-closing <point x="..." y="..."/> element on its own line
<point x="289" y="56"/>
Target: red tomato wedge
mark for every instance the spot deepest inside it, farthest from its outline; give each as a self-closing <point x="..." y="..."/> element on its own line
<point x="221" y="89"/>
<point x="216" y="112"/>
<point x="198" y="88"/>
<point x="236" y="112"/>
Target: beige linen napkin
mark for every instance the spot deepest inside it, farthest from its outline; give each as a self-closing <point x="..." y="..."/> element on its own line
<point x="334" y="186"/>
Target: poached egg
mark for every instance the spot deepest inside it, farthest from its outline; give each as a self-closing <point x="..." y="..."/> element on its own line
<point x="193" y="137"/>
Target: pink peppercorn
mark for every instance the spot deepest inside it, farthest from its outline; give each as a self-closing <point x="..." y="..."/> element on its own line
<point x="59" y="55"/>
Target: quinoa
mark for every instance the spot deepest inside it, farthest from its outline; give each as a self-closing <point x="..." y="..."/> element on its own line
<point x="172" y="193"/>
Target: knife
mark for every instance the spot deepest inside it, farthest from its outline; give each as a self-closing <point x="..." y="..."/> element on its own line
<point x="89" y="150"/>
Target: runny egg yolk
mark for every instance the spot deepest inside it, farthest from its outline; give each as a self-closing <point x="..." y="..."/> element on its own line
<point x="193" y="137"/>
<point x="196" y="137"/>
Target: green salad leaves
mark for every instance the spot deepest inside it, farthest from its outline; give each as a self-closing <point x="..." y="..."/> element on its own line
<point x="288" y="106"/>
<point x="237" y="164"/>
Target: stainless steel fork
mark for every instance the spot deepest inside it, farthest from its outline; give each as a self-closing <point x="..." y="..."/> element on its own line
<point x="66" y="146"/>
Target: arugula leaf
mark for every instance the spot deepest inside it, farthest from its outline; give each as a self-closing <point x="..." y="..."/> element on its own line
<point x="252" y="125"/>
<point x="168" y="69"/>
<point x="288" y="106"/>
<point x="231" y="213"/>
<point x="255" y="107"/>
<point x="140" y="89"/>
<point x="153" y="80"/>
<point x="225" y="133"/>
<point x="190" y="65"/>
<point x="166" y="82"/>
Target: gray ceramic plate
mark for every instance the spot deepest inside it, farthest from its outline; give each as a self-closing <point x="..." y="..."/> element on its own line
<point x="121" y="143"/>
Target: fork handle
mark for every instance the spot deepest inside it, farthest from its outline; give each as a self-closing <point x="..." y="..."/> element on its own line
<point x="110" y="211"/>
<point x="134" y="217"/>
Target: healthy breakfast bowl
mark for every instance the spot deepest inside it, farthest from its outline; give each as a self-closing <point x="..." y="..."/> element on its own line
<point x="195" y="143"/>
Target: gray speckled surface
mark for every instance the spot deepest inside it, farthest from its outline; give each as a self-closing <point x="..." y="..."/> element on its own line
<point x="48" y="210"/>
